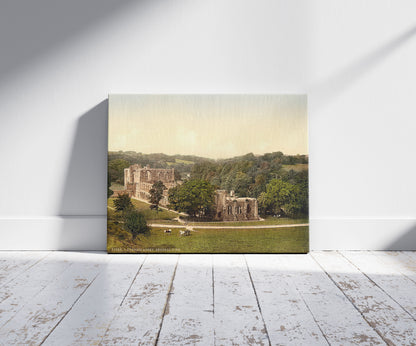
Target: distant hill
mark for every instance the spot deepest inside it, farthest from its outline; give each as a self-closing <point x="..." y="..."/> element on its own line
<point x="160" y="160"/>
<point x="118" y="160"/>
<point x="248" y="174"/>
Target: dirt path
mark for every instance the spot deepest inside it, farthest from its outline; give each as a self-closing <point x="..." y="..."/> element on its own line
<point x="228" y="227"/>
<point x="183" y="224"/>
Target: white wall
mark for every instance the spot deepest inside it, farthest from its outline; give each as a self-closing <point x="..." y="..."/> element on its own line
<point x="60" y="59"/>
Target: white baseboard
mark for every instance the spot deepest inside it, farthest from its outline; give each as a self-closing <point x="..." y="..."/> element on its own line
<point x="54" y="233"/>
<point x="89" y="233"/>
<point x="362" y="234"/>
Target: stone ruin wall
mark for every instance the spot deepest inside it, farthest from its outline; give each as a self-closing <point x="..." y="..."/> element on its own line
<point x="232" y="208"/>
<point x="138" y="181"/>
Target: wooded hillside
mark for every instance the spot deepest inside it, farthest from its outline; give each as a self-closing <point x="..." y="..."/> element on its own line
<point x="278" y="181"/>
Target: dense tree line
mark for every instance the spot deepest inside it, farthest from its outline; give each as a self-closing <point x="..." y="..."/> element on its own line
<point x="268" y="177"/>
<point x="271" y="178"/>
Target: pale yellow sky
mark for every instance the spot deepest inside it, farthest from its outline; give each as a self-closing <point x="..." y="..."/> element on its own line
<point x="214" y="126"/>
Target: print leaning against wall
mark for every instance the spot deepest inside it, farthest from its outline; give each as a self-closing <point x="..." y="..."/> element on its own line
<point x="207" y="174"/>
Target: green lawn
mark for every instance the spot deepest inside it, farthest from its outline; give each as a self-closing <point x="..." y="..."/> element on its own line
<point x="148" y="213"/>
<point x="281" y="240"/>
<point x="267" y="221"/>
<point x="165" y="222"/>
<point x="263" y="240"/>
<point x="167" y="216"/>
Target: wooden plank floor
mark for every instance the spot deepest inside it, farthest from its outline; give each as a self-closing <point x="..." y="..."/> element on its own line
<point x="91" y="298"/>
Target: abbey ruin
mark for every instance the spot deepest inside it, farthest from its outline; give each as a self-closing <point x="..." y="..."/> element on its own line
<point x="232" y="208"/>
<point x="139" y="180"/>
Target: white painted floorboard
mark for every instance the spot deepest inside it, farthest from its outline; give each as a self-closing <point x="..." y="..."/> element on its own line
<point x="87" y="298"/>
<point x="398" y="287"/>
<point x="385" y="315"/>
<point x="189" y="315"/>
<point x="14" y="263"/>
<point x="340" y="322"/>
<point x="139" y="317"/>
<point x="90" y="317"/>
<point x="287" y="317"/>
<point x="43" y="312"/>
<point x="15" y="294"/>
<point x="238" y="320"/>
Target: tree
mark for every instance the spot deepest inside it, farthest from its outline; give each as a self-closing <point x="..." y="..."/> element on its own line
<point x="282" y="195"/>
<point x="259" y="185"/>
<point x="116" y="170"/>
<point x="109" y="191"/>
<point x="242" y="183"/>
<point x="123" y="203"/>
<point x="135" y="223"/>
<point x="194" y="197"/>
<point x="156" y="193"/>
<point x="177" y="175"/>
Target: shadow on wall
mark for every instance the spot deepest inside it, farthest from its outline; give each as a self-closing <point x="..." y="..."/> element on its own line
<point x="25" y="27"/>
<point x="406" y="242"/>
<point x="325" y="91"/>
<point x="84" y="197"/>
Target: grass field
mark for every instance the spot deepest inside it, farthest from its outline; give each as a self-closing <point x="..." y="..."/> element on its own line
<point x="259" y="240"/>
<point x="267" y="221"/>
<point x="161" y="215"/>
<point x="283" y="240"/>
<point x="184" y="162"/>
<point x="167" y="216"/>
<point x="165" y="222"/>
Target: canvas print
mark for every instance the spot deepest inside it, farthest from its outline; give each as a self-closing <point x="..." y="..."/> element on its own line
<point x="207" y="174"/>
